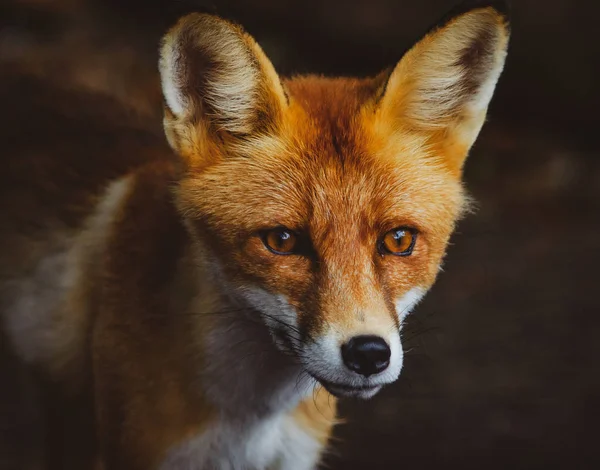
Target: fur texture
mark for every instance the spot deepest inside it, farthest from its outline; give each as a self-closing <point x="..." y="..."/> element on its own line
<point x="149" y="282"/>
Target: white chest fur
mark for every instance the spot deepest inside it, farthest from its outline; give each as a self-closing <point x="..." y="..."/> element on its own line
<point x="255" y="387"/>
<point x="275" y="443"/>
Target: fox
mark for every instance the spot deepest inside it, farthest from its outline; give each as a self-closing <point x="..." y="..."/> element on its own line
<point x="203" y="302"/>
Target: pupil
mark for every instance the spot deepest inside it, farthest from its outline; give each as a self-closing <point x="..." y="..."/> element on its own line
<point x="284" y="236"/>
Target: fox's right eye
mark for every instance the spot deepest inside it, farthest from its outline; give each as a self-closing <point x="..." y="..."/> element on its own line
<point x="280" y="241"/>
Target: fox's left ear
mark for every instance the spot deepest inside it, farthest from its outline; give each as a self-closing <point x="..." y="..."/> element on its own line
<point x="443" y="85"/>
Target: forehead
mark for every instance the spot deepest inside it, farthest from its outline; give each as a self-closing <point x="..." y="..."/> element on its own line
<point x="334" y="163"/>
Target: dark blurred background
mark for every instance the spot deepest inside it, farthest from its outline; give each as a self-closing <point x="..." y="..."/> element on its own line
<point x="502" y="368"/>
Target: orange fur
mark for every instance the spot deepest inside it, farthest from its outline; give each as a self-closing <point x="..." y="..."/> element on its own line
<point x="165" y="293"/>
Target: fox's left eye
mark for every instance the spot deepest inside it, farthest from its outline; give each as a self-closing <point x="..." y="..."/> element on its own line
<point x="399" y="242"/>
<point x="280" y="241"/>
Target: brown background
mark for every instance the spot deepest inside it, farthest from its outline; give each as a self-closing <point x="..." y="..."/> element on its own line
<point x="502" y="369"/>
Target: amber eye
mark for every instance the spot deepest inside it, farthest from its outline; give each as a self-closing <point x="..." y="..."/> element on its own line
<point x="280" y="241"/>
<point x="399" y="241"/>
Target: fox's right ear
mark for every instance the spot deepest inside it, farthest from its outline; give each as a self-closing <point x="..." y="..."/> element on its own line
<point x="217" y="82"/>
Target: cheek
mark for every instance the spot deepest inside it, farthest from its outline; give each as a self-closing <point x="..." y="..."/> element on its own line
<point x="436" y="256"/>
<point x="406" y="287"/>
<point x="289" y="275"/>
<point x="400" y="278"/>
<point x="405" y="303"/>
<point x="406" y="279"/>
<point x="401" y="273"/>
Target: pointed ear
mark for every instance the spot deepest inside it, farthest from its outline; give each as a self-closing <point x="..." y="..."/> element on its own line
<point x="216" y="80"/>
<point x="443" y="85"/>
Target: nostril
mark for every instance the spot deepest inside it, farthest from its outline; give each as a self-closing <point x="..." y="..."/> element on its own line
<point x="366" y="355"/>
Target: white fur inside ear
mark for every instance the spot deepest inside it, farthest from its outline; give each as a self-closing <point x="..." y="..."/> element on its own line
<point x="444" y="80"/>
<point x="212" y="69"/>
<point x="452" y="72"/>
<point x="232" y="85"/>
<point x="171" y="91"/>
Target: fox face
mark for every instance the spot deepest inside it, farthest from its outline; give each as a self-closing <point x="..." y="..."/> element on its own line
<point x="324" y="205"/>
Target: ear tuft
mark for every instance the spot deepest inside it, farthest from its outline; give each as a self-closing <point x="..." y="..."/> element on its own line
<point x="443" y="85"/>
<point x="213" y="73"/>
<point x="453" y="70"/>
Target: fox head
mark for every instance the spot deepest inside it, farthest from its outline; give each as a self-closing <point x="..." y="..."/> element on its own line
<point x="326" y="204"/>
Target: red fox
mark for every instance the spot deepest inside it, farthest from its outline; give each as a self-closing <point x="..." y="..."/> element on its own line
<point x="208" y="305"/>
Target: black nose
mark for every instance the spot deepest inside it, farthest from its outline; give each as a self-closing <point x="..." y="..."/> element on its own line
<point x="366" y="355"/>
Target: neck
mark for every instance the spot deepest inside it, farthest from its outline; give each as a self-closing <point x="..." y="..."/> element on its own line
<point x="243" y="373"/>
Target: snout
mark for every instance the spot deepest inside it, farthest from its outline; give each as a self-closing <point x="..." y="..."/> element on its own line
<point x="355" y="364"/>
<point x="354" y="357"/>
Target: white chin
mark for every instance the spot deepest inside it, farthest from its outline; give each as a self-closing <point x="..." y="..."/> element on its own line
<point x="348" y="392"/>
